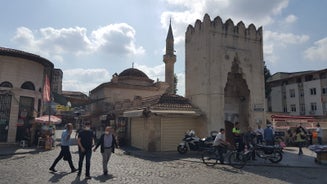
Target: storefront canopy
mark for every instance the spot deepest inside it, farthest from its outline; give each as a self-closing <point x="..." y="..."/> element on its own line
<point x="48" y="119"/>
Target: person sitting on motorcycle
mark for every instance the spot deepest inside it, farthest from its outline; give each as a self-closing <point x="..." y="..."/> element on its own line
<point x="221" y="144"/>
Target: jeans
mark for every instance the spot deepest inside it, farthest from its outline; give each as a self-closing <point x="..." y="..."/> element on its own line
<point x="300" y="145"/>
<point x="319" y="140"/>
<point x="64" y="153"/>
<point x="221" y="149"/>
<point x="87" y="154"/>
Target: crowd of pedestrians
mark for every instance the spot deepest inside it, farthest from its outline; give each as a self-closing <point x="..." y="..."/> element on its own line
<point x="243" y="140"/>
<point x="86" y="141"/>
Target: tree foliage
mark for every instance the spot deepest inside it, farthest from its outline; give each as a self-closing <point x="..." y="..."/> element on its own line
<point x="267" y="75"/>
<point x="175" y="84"/>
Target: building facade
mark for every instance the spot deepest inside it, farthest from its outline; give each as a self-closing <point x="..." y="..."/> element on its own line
<point x="225" y="73"/>
<point x="57" y="81"/>
<point x="299" y="93"/>
<point x="112" y="98"/>
<point x="22" y="78"/>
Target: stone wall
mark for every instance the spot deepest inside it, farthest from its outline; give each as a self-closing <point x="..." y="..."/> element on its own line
<point x="213" y="48"/>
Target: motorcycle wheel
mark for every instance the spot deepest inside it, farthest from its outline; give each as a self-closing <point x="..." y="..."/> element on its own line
<point x="209" y="157"/>
<point x="277" y="158"/>
<point x="237" y="159"/>
<point x="181" y="149"/>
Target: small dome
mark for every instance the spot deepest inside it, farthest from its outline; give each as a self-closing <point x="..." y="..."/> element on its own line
<point x="133" y="72"/>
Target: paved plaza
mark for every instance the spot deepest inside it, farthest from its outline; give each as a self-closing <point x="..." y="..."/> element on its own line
<point x="133" y="166"/>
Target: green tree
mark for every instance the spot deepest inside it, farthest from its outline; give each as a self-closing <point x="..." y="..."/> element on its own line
<point x="175" y="84"/>
<point x="267" y="76"/>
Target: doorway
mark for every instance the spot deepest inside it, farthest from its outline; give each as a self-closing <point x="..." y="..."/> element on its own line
<point x="236" y="98"/>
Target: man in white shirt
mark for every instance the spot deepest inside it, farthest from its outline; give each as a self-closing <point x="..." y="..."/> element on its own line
<point x="221" y="144"/>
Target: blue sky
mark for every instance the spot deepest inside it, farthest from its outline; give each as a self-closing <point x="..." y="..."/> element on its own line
<point x="90" y="40"/>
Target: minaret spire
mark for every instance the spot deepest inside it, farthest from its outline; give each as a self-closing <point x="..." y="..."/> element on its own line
<point x="169" y="59"/>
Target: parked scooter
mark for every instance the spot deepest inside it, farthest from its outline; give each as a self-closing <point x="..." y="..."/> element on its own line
<point x="272" y="153"/>
<point x="191" y="142"/>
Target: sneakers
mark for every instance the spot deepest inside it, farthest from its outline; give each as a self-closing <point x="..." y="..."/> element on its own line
<point x="52" y="169"/>
<point x="74" y="170"/>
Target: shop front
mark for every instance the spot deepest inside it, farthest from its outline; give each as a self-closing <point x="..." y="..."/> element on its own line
<point x="5" y="104"/>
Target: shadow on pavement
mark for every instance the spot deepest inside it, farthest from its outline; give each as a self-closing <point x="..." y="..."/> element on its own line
<point x="57" y="176"/>
<point x="156" y="156"/>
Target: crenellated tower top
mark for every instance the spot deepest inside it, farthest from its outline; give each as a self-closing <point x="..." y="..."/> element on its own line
<point x="227" y="28"/>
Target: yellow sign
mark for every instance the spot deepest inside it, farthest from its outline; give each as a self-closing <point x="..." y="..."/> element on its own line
<point x="62" y="108"/>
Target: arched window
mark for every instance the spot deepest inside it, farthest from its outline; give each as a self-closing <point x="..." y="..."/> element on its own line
<point x="6" y="84"/>
<point x="28" y="85"/>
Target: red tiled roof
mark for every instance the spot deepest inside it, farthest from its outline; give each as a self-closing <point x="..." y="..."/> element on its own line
<point x="168" y="102"/>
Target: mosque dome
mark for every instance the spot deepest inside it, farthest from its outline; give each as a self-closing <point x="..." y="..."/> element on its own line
<point x="133" y="72"/>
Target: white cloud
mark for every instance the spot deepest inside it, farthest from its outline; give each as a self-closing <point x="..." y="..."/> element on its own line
<point x="158" y="72"/>
<point x="284" y="39"/>
<point x="154" y="73"/>
<point x="274" y="40"/>
<point x="318" y="51"/>
<point x="84" y="79"/>
<point x="114" y="39"/>
<point x="291" y="19"/>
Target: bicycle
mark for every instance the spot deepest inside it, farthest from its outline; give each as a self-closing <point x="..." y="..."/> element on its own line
<point x="238" y="159"/>
<point x="210" y="156"/>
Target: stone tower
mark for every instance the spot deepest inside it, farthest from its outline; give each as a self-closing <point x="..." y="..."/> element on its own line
<point x="169" y="59"/>
<point x="224" y="73"/>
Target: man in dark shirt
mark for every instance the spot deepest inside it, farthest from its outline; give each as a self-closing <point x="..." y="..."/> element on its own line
<point x="85" y="143"/>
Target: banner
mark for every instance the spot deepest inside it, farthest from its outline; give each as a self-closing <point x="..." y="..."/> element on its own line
<point x="46" y="90"/>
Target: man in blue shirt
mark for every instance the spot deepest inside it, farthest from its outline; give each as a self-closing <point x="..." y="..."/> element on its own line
<point x="65" y="152"/>
<point x="268" y="135"/>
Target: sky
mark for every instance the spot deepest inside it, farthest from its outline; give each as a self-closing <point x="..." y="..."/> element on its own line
<point x="90" y="40"/>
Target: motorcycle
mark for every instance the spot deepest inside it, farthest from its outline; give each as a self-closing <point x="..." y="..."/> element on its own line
<point x="193" y="143"/>
<point x="272" y="153"/>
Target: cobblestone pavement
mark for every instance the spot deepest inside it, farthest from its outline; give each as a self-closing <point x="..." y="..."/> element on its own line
<point x="149" y="168"/>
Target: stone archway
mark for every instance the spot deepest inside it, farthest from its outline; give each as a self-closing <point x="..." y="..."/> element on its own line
<point x="236" y="99"/>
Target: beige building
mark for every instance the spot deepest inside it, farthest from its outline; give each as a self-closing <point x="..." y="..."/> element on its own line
<point x="158" y="123"/>
<point x="112" y="98"/>
<point x="22" y="77"/>
<point x="225" y="73"/>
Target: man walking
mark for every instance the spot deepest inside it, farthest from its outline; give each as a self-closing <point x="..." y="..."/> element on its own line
<point x="108" y="144"/>
<point x="65" y="152"/>
<point x="85" y="143"/>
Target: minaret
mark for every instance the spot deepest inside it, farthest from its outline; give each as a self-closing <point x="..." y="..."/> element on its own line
<point x="169" y="59"/>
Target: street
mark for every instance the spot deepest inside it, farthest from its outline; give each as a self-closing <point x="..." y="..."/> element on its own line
<point x="135" y="166"/>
